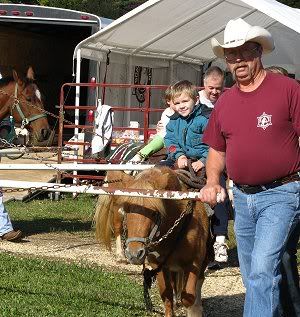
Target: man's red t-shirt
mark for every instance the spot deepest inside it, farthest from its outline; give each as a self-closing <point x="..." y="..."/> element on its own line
<point x="258" y="130"/>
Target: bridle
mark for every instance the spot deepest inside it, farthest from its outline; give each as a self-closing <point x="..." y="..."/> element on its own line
<point x="16" y="105"/>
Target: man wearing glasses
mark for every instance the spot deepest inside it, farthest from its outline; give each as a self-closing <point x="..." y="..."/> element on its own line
<point x="254" y="130"/>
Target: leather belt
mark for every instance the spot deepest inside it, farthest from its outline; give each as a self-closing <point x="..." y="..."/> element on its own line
<point x="248" y="189"/>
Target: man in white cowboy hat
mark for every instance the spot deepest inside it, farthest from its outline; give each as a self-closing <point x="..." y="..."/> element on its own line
<point x="253" y="131"/>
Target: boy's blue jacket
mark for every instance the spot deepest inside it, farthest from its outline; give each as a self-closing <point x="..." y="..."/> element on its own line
<point x="184" y="135"/>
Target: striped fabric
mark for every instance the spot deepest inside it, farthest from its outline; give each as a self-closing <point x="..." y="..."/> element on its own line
<point x="124" y="152"/>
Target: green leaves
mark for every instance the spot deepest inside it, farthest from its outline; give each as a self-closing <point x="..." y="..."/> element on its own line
<point x="107" y="8"/>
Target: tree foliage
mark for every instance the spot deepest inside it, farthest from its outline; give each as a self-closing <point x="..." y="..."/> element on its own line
<point x="107" y="8"/>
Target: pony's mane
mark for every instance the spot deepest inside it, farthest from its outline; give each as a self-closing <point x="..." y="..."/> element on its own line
<point x="161" y="178"/>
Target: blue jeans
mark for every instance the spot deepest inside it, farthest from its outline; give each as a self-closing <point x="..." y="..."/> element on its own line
<point x="263" y="223"/>
<point x="5" y="222"/>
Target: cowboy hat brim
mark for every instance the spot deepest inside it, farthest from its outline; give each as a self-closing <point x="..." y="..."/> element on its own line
<point x="256" y="34"/>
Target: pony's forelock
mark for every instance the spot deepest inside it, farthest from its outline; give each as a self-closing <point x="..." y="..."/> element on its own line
<point x="156" y="204"/>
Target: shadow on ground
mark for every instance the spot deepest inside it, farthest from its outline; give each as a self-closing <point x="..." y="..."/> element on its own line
<point x="52" y="225"/>
<point x="225" y="306"/>
<point x="233" y="258"/>
<point x="218" y="306"/>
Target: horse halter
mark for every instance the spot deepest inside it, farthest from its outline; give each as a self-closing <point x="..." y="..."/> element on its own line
<point x="148" y="241"/>
<point x="153" y="233"/>
<point x="16" y="105"/>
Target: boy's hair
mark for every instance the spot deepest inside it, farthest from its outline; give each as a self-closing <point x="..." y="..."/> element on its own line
<point x="168" y="94"/>
<point x="213" y="71"/>
<point x="277" y="70"/>
<point x="183" y="86"/>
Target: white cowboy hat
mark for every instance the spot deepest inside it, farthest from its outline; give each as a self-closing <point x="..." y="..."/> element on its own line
<point x="238" y="32"/>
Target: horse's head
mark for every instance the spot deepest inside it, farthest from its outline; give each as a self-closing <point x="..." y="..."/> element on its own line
<point x="145" y="217"/>
<point x="21" y="98"/>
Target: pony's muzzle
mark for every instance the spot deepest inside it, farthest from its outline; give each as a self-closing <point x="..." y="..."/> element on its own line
<point x="135" y="255"/>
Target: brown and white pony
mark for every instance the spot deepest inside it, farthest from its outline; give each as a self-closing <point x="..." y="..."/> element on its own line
<point x="172" y="234"/>
<point x="21" y="98"/>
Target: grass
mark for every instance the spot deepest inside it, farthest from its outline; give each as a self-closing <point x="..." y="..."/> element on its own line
<point x="68" y="214"/>
<point x="34" y="287"/>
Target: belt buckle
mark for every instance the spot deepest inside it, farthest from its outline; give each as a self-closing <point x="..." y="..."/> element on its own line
<point x="252" y="189"/>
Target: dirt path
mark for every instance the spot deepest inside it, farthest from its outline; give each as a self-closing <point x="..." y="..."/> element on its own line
<point x="27" y="175"/>
<point x="223" y="291"/>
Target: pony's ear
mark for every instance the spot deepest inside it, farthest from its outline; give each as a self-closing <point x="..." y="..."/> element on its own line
<point x="15" y="76"/>
<point x="30" y="73"/>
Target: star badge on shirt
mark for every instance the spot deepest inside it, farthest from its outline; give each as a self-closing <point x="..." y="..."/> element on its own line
<point x="264" y="121"/>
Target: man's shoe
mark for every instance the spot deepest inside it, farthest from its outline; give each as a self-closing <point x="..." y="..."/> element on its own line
<point x="220" y="250"/>
<point x="13" y="236"/>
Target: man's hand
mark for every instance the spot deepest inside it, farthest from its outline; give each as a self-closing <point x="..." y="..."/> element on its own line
<point x="212" y="194"/>
<point x="182" y="161"/>
<point x="197" y="166"/>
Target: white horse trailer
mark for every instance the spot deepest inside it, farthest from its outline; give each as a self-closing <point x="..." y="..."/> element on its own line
<point x="45" y="38"/>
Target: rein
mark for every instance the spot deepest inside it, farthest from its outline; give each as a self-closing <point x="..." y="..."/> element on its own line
<point x="190" y="178"/>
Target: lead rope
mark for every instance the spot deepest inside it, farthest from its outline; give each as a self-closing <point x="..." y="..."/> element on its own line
<point x="12" y="134"/>
<point x="149" y="279"/>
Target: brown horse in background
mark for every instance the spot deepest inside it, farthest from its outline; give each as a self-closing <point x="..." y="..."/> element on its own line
<point x="21" y="98"/>
<point x="172" y="234"/>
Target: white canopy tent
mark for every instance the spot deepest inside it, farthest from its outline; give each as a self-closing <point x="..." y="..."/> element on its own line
<point x="172" y="39"/>
<point x="162" y="32"/>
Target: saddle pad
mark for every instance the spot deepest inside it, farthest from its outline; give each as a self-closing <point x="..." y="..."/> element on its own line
<point x="124" y="152"/>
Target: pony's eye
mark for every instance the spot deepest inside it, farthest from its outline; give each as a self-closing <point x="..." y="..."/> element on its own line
<point x="28" y="99"/>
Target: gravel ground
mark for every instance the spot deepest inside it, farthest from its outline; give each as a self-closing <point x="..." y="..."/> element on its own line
<point x="223" y="292"/>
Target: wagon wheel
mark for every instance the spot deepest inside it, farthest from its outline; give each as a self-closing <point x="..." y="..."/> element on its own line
<point x="14" y="156"/>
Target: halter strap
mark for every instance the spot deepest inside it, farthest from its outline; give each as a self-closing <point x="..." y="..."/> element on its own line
<point x="148" y="239"/>
<point x="16" y="105"/>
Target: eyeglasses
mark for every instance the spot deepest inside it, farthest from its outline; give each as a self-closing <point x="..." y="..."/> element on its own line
<point x="245" y="53"/>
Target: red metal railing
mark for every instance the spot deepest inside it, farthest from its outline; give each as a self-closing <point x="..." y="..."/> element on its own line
<point x="146" y="109"/>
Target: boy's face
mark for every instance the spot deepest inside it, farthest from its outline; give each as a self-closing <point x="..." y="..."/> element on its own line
<point x="183" y="104"/>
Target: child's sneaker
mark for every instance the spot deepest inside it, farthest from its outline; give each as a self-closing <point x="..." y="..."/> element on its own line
<point x="136" y="159"/>
<point x="220" y="250"/>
